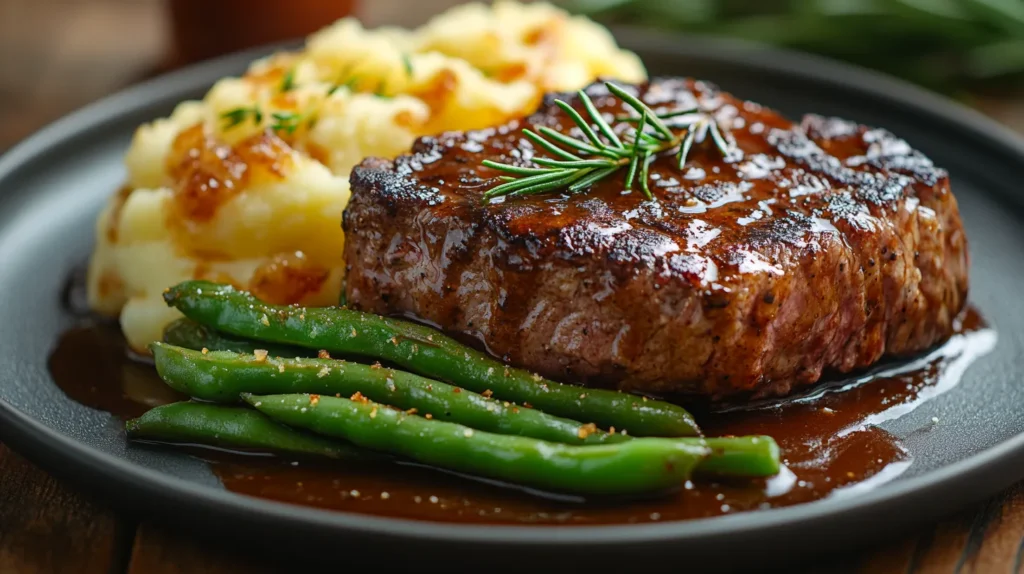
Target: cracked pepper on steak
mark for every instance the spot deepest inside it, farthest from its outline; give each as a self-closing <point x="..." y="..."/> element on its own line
<point x="824" y="245"/>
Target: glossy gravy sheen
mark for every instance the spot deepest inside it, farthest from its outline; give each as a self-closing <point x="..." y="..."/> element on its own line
<point x="828" y="440"/>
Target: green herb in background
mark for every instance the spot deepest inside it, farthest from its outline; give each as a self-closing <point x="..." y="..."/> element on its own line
<point x="946" y="45"/>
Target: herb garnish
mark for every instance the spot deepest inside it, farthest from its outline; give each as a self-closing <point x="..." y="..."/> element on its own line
<point x="603" y="152"/>
<point x="380" y="91"/>
<point x="238" y="116"/>
<point x="348" y="84"/>
<point x="288" y="82"/>
<point x="286" y="122"/>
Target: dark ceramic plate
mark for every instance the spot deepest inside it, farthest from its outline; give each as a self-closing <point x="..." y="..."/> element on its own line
<point x="53" y="184"/>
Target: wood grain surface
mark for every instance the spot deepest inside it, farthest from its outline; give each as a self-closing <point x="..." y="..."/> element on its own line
<point x="47" y="527"/>
<point x="161" y="550"/>
<point x="56" y="55"/>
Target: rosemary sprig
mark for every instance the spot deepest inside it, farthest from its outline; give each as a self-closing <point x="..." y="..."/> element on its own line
<point x="956" y="46"/>
<point x="581" y="162"/>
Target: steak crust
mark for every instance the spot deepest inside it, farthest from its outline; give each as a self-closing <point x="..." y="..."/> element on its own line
<point x="823" y="245"/>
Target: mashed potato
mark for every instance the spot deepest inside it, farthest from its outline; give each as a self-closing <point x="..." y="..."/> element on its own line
<point x="248" y="185"/>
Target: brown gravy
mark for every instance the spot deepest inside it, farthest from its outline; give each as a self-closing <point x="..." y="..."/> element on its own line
<point x="828" y="440"/>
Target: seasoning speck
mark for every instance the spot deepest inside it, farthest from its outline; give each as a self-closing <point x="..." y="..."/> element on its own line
<point x="384" y="495"/>
<point x="323" y="372"/>
<point x="433" y="500"/>
<point x="586" y="430"/>
<point x="323" y="354"/>
<point x="261" y="355"/>
<point x="205" y="350"/>
<point x="265" y="320"/>
<point x="280" y="367"/>
<point x="487" y="393"/>
<point x="313" y="400"/>
<point x="373" y="413"/>
<point x="655" y="516"/>
<point x="428" y="416"/>
<point x="467" y="433"/>
<point x="354" y="493"/>
<point x="935" y="419"/>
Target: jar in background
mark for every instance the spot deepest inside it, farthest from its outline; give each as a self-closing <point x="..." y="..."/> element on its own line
<point x="203" y="29"/>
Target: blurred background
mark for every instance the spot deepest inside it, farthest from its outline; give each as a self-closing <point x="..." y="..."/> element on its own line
<point x="56" y="55"/>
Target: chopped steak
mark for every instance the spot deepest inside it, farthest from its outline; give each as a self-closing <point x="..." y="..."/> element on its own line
<point x="824" y="245"/>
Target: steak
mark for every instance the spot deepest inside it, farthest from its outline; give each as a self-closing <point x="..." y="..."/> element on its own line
<point x="819" y="246"/>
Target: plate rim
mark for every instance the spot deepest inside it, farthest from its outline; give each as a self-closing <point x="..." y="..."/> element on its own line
<point x="995" y="468"/>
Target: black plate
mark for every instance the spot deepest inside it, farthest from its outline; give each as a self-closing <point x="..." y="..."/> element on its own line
<point x="54" y="183"/>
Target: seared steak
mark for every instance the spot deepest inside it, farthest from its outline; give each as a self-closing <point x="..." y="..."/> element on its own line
<point x="824" y="245"/>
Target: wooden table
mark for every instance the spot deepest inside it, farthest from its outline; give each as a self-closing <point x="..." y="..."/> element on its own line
<point x="49" y="526"/>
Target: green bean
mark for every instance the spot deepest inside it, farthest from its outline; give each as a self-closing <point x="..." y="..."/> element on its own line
<point x="742" y="456"/>
<point x="231" y="427"/>
<point x="423" y="350"/>
<point x="191" y="335"/>
<point x="638" y="466"/>
<point x="236" y="427"/>
<point x="223" y="376"/>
